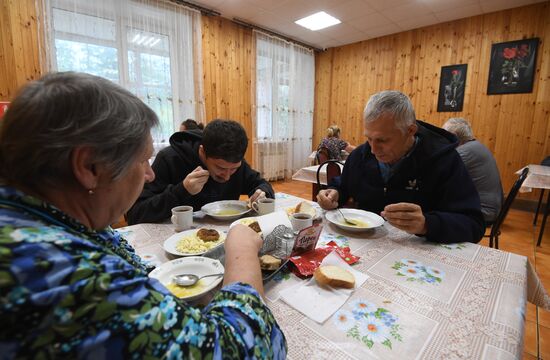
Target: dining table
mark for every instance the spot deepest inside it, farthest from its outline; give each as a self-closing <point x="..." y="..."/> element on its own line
<point x="420" y="299"/>
<point x="309" y="174"/>
<point x="538" y="177"/>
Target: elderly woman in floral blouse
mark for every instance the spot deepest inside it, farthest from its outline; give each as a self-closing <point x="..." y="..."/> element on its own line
<point x="74" y="152"/>
<point x="334" y="144"/>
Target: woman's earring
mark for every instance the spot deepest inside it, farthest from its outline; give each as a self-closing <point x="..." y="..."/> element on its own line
<point x="90" y="192"/>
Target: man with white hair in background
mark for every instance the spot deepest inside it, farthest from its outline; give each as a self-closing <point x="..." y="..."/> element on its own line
<point x="481" y="166"/>
<point x="409" y="172"/>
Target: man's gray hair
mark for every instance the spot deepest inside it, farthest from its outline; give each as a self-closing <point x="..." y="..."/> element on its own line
<point x="53" y="115"/>
<point x="390" y="102"/>
<point x="461" y="128"/>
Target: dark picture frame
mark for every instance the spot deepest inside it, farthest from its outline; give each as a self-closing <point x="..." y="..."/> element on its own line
<point x="452" y="84"/>
<point x="512" y="67"/>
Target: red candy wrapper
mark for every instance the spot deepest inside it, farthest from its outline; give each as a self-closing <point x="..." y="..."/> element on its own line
<point x="306" y="263"/>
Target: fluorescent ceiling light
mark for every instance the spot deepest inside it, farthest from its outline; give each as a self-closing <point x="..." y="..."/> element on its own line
<point x="318" y="21"/>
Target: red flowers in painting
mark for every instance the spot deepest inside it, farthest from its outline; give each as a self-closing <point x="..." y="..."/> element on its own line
<point x="513" y="61"/>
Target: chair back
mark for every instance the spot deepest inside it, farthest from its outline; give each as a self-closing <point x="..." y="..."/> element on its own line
<point x="322" y="155"/>
<point x="333" y="170"/>
<point x="495" y="229"/>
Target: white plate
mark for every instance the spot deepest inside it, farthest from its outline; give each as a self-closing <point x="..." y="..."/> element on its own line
<point x="245" y="221"/>
<point x="171" y="243"/>
<point x="318" y="212"/>
<point x="214" y="208"/>
<point x="367" y="217"/>
<point x="196" y="265"/>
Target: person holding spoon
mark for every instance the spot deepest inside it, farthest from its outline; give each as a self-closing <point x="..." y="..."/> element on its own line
<point x="410" y="173"/>
<point x="200" y="167"/>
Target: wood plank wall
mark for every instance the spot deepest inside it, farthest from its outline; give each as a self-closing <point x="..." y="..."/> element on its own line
<point x="228" y="64"/>
<point x="516" y="127"/>
<point x="19" y="51"/>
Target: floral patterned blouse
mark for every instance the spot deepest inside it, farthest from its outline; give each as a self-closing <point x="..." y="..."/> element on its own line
<point x="70" y="292"/>
<point x="334" y="146"/>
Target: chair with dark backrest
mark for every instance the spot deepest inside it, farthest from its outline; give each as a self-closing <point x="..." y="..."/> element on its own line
<point x="545" y="162"/>
<point x="495" y="229"/>
<point x="333" y="170"/>
<point x="322" y="155"/>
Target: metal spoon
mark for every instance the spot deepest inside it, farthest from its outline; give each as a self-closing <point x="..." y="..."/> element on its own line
<point x="189" y="279"/>
<point x="348" y="221"/>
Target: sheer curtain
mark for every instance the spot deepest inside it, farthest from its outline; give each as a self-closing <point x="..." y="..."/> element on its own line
<point x="285" y="80"/>
<point x="152" y="48"/>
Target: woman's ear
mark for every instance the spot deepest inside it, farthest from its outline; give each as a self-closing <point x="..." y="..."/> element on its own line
<point x="84" y="169"/>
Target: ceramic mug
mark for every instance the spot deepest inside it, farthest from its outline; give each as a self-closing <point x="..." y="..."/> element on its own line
<point x="182" y="217"/>
<point x="264" y="206"/>
<point x="301" y="221"/>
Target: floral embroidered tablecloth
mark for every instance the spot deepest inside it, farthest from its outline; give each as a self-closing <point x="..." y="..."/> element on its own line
<point x="421" y="301"/>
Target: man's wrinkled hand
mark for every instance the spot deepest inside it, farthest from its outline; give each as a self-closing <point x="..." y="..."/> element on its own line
<point x="407" y="217"/>
<point x="328" y="199"/>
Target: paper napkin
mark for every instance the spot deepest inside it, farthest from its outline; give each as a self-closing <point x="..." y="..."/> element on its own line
<point x="270" y="221"/>
<point x="318" y="302"/>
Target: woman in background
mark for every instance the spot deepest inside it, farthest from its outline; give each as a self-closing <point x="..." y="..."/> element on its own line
<point x="191" y="124"/>
<point x="334" y="144"/>
<point x="70" y="286"/>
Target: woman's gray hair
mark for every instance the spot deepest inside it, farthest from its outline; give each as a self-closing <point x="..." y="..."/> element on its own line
<point x="461" y="128"/>
<point x="390" y="102"/>
<point x="53" y="115"/>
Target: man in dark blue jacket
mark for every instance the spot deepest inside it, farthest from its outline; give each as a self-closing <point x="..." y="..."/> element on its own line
<point x="197" y="168"/>
<point x="409" y="172"/>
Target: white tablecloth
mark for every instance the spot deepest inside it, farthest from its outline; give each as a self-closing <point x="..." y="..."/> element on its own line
<point x="421" y="301"/>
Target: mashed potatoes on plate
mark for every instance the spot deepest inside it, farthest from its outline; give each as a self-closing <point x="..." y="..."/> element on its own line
<point x="192" y="244"/>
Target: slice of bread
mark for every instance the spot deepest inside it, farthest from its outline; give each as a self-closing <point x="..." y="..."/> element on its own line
<point x="334" y="276"/>
<point x="268" y="262"/>
<point x="305" y="208"/>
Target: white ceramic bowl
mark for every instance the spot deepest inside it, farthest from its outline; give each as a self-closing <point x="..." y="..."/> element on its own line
<point x="371" y="220"/>
<point x="226" y="209"/>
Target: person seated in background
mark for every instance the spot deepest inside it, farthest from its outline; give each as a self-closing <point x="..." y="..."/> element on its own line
<point x="481" y="166"/>
<point x="409" y="172"/>
<point x="334" y="144"/>
<point x="199" y="168"/>
<point x="71" y="287"/>
<point x="191" y="124"/>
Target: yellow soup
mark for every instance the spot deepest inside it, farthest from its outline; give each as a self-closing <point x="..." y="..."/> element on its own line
<point x="186" y="291"/>
<point x="228" y="212"/>
<point x="358" y="223"/>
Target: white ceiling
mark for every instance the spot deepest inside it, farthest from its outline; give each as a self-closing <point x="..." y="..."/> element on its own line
<point x="361" y="19"/>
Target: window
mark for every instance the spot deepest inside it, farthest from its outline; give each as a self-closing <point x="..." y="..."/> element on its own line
<point x="147" y="47"/>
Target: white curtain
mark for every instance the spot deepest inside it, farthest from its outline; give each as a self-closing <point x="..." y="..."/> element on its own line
<point x="152" y="48"/>
<point x="285" y="80"/>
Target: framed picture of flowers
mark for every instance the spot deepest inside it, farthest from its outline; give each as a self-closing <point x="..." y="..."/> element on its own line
<point x="512" y="67"/>
<point x="451" y="88"/>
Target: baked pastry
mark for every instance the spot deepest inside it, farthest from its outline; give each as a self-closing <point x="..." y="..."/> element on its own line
<point x="255" y="226"/>
<point x="334" y="276"/>
<point x="268" y="262"/>
<point x="208" y="235"/>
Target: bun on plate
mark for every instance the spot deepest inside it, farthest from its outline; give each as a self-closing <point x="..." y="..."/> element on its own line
<point x="334" y="276"/>
<point x="304" y="207"/>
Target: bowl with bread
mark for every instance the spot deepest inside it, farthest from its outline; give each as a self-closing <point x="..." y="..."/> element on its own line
<point x="362" y="220"/>
<point x="226" y="209"/>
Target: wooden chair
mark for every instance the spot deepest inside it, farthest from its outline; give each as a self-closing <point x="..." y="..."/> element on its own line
<point x="495" y="228"/>
<point x="321" y="156"/>
<point x="333" y="170"/>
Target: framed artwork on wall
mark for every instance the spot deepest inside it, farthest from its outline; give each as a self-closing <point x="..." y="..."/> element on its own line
<point x="512" y="67"/>
<point x="451" y="88"/>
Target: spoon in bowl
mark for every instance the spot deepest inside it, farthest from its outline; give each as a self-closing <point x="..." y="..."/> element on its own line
<point x="189" y="279"/>
<point x="348" y="221"/>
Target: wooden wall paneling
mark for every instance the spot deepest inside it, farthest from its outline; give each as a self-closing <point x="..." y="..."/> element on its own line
<point x="515" y="127"/>
<point x="322" y="100"/>
<point x="227" y="58"/>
